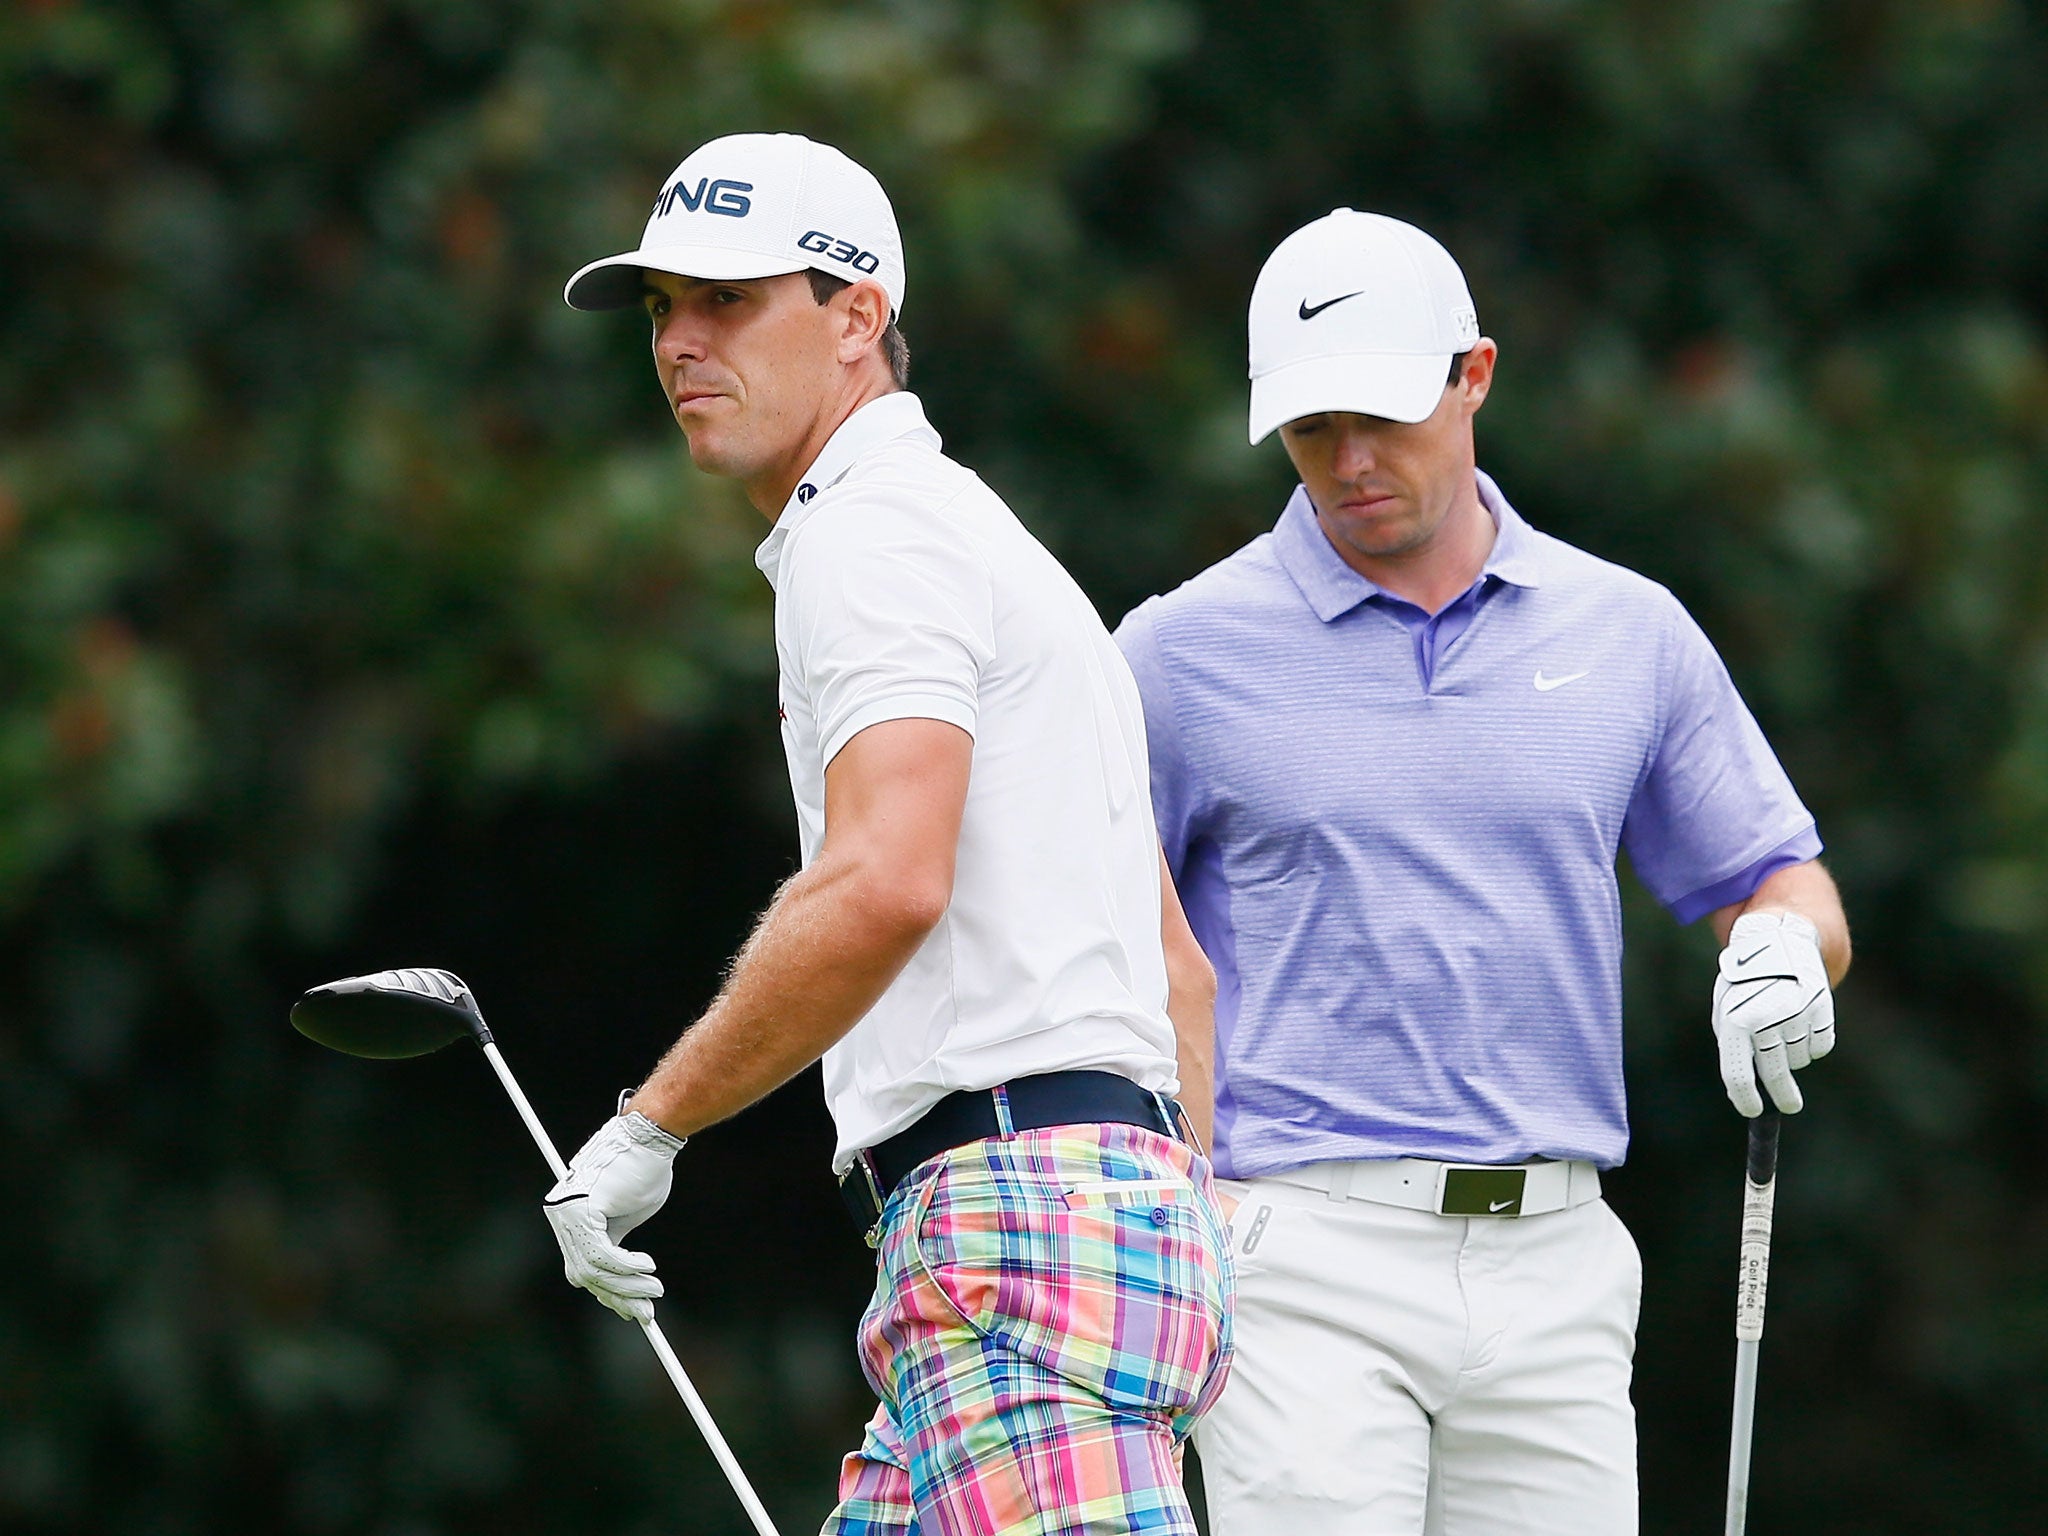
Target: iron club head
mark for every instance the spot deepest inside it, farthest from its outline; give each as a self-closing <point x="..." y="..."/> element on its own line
<point x="391" y="1015"/>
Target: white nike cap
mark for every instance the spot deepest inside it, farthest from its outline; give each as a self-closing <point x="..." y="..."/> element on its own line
<point x="757" y="205"/>
<point x="1356" y="312"/>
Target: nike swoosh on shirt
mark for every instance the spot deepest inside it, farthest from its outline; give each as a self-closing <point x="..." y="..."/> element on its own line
<point x="1309" y="311"/>
<point x="1545" y="684"/>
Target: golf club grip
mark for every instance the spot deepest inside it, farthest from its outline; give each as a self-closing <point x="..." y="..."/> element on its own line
<point x="1763" y="1147"/>
<point x="1759" y="1195"/>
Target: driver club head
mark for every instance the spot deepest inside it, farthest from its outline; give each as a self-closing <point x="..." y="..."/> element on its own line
<point x="391" y="1015"/>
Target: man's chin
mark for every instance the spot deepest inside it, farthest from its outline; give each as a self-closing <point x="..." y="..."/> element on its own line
<point x="1388" y="535"/>
<point x="711" y="455"/>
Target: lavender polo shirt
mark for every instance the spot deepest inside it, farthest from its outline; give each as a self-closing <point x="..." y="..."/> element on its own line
<point x="1395" y="835"/>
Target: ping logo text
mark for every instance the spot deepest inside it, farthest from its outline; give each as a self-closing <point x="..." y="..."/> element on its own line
<point x="726" y="197"/>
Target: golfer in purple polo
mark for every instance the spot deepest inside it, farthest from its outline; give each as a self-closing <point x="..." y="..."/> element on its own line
<point x="1397" y="744"/>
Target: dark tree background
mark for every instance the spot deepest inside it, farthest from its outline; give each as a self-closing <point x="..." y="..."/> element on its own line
<point x="359" y="607"/>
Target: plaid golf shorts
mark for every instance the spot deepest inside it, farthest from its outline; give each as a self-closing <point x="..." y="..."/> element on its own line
<point x="1051" y="1316"/>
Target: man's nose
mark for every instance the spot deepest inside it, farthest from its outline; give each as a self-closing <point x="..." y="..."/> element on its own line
<point x="1356" y="451"/>
<point x="678" y="338"/>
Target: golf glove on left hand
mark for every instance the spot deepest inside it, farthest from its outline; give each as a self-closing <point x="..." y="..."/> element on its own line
<point x="1773" y="1012"/>
<point x="619" y="1179"/>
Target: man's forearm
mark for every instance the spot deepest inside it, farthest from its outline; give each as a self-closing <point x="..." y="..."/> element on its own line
<point x="1808" y="890"/>
<point x="1191" y="1005"/>
<point x="823" y="953"/>
<point x="1194" y="1035"/>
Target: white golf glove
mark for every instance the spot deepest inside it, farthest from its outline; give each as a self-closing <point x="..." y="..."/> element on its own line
<point x="619" y="1179"/>
<point x="1773" y="1012"/>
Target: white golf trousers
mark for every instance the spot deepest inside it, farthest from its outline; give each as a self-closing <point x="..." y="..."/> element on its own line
<point x="1401" y="1373"/>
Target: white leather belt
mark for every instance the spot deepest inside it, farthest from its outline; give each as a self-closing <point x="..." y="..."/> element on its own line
<point x="1452" y="1189"/>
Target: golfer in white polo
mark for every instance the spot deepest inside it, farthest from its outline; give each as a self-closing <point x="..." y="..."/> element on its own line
<point x="982" y="943"/>
<point x="1397" y="746"/>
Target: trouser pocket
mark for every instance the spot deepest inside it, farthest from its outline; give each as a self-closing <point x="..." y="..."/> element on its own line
<point x="1091" y="1252"/>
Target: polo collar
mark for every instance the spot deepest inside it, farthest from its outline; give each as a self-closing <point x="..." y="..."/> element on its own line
<point x="1517" y="556"/>
<point x="1333" y="588"/>
<point x="884" y="419"/>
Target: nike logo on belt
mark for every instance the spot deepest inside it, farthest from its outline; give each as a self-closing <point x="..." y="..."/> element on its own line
<point x="1497" y="1206"/>
<point x="1545" y="684"/>
<point x="1309" y="311"/>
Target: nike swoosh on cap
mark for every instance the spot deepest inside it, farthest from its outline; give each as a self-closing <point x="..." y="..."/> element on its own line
<point x="1309" y="312"/>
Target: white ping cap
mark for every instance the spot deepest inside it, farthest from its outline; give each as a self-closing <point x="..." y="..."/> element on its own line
<point x="1356" y="312"/>
<point x="757" y="205"/>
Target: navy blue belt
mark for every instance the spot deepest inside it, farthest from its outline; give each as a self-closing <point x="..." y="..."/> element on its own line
<point x="1048" y="1098"/>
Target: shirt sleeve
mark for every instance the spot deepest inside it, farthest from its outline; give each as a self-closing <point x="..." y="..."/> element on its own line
<point x="1716" y="813"/>
<point x="1172" y="792"/>
<point x="892" y="618"/>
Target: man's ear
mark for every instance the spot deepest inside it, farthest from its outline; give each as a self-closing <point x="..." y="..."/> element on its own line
<point x="864" y="310"/>
<point x="1478" y="375"/>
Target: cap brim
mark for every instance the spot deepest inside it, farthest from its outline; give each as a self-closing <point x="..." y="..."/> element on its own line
<point x="1398" y="386"/>
<point x="616" y="281"/>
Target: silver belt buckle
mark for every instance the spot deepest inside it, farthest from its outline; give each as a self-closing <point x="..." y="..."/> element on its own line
<point x="1477" y="1189"/>
<point x="864" y="1169"/>
<point x="1179" y="1125"/>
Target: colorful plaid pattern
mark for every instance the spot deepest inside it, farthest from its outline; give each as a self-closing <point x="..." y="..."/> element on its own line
<point x="1051" y="1316"/>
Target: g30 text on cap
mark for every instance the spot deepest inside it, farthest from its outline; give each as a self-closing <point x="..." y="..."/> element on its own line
<point x="1356" y="312"/>
<point x="757" y="205"/>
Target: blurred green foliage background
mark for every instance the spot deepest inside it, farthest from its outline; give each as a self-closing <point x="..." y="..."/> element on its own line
<point x="359" y="607"/>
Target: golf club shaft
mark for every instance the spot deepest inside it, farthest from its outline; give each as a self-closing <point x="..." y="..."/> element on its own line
<point x="719" y="1449"/>
<point x="541" y="1138"/>
<point x="1759" y="1192"/>
<point x="722" y="1452"/>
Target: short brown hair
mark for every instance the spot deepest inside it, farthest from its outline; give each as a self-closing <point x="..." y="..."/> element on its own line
<point x="894" y="348"/>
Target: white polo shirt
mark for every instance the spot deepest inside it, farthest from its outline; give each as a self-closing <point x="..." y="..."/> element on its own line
<point x="905" y="589"/>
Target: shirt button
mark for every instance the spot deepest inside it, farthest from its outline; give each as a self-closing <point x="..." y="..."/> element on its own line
<point x="1158" y="1215"/>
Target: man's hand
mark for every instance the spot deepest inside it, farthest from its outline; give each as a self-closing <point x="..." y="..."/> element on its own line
<point x="619" y="1179"/>
<point x="1773" y="1012"/>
